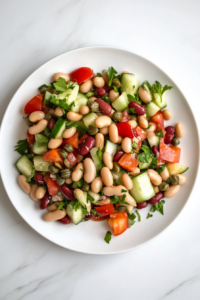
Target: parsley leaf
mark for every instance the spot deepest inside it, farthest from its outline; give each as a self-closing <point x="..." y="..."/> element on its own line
<point x="108" y="237"/>
<point x="95" y="212"/>
<point x="139" y="217"/>
<point x="161" y="169"/>
<point x="101" y="191"/>
<point x="79" y="125"/>
<point x="146" y="155"/>
<point x="149" y="126"/>
<point x="134" y="99"/>
<point x="61" y="205"/>
<point x="115" y="200"/>
<point x="22" y="147"/>
<point x="32" y="175"/>
<point x="85" y="212"/>
<point x="154" y="161"/>
<point x="124" y="191"/>
<point x="81" y="169"/>
<point x="159" y="133"/>
<point x="115" y="89"/>
<point x="135" y="145"/>
<point x="132" y="110"/>
<point x="43" y="173"/>
<point x="123" y="201"/>
<point x="111" y="74"/>
<point x="61" y="102"/>
<point x="60" y="85"/>
<point x="41" y="140"/>
<point x="157" y="88"/>
<point x="149" y="216"/>
<point x="107" y="99"/>
<point x="90" y="198"/>
<point x="158" y="206"/>
<point x="131" y="219"/>
<point x="98" y="75"/>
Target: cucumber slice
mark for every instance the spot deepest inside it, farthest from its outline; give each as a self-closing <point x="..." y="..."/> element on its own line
<point x="175" y="169"/>
<point x="70" y="94"/>
<point x="152" y="109"/>
<point x="40" y="164"/>
<point x="80" y="101"/>
<point x="153" y="139"/>
<point x="75" y="216"/>
<point x="39" y="150"/>
<point x="130" y="83"/>
<point x="97" y="161"/>
<point x="24" y="166"/>
<point x="143" y="165"/>
<point x="142" y="188"/>
<point x="121" y="103"/>
<point x="111" y="148"/>
<point x="118" y="176"/>
<point x="46" y="99"/>
<point x="95" y="196"/>
<point x="58" y="129"/>
<point x="157" y="100"/>
<point x="89" y="119"/>
<point x="82" y="199"/>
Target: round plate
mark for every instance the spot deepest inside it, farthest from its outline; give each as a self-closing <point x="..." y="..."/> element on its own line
<point x="88" y="237"/>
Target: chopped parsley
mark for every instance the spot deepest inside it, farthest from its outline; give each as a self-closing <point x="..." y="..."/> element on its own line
<point x="157" y="88"/>
<point x="134" y="99"/>
<point x="132" y="110"/>
<point x="161" y="169"/>
<point x="138" y="214"/>
<point x="159" y="207"/>
<point x="149" y="216"/>
<point x="111" y="74"/>
<point x="95" y="212"/>
<point x="115" y="89"/>
<point x="131" y="219"/>
<point x="108" y="237"/>
<point x="22" y="147"/>
<point x="32" y="175"/>
<point x="159" y="133"/>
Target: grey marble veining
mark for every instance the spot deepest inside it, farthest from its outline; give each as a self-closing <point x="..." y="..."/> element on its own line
<point x="167" y="33"/>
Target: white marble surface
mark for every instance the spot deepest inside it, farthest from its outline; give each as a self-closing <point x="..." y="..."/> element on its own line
<point x="167" y="33"/>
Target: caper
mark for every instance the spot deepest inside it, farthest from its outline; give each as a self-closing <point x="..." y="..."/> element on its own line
<point x="66" y="173"/>
<point x="117" y="116"/>
<point x="164" y="186"/>
<point x="92" y="130"/>
<point x="86" y="187"/>
<point x="42" y="89"/>
<point x="64" y="153"/>
<point x="67" y="163"/>
<point x="28" y="122"/>
<point x="145" y="142"/>
<point x="77" y="184"/>
<point x="53" y="170"/>
<point x="58" y="165"/>
<point x="116" y="167"/>
<point x="60" y="181"/>
<point x="94" y="106"/>
<point x="121" y="208"/>
<point x="134" y="117"/>
<point x="119" y="147"/>
<point x="174" y="180"/>
<point x="48" y="116"/>
<point x="89" y="94"/>
<point x="47" y="131"/>
<point x="175" y="141"/>
<point x="116" y="82"/>
<point x="69" y="148"/>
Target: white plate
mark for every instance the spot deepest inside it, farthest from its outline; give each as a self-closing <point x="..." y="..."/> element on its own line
<point x="88" y="237"/>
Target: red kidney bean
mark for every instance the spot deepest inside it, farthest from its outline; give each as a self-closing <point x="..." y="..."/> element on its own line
<point x="170" y="129"/>
<point x="51" y="123"/>
<point x="65" y="220"/>
<point x="88" y="155"/>
<point x="86" y="146"/>
<point x="139" y="109"/>
<point x="142" y="205"/>
<point x="104" y="107"/>
<point x="99" y="92"/>
<point x="118" y="155"/>
<point x="155" y="151"/>
<point x="90" y="216"/>
<point x="156" y="198"/>
<point x="107" y="87"/>
<point x="67" y="193"/>
<point x="39" y="178"/>
<point x="168" y="138"/>
<point x="45" y="201"/>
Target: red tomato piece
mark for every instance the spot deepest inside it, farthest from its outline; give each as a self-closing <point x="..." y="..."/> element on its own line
<point x="98" y="218"/>
<point x="158" y="118"/>
<point x="166" y="153"/>
<point x="82" y="74"/>
<point x="125" y="116"/>
<point x="177" y="154"/>
<point x="45" y="108"/>
<point x="53" y="156"/>
<point x="105" y="210"/>
<point x="53" y="187"/>
<point x="124" y="130"/>
<point x="141" y="132"/>
<point x="159" y="127"/>
<point x="118" y="222"/>
<point x="73" y="140"/>
<point x="128" y="161"/>
<point x="73" y="158"/>
<point x="83" y="138"/>
<point x="46" y="177"/>
<point x="35" y="104"/>
<point x="30" y="139"/>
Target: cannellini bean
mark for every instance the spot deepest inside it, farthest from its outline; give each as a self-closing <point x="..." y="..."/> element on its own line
<point x="133" y="123"/>
<point x="84" y="110"/>
<point x="99" y="82"/>
<point x="34" y="188"/>
<point x="89" y="170"/>
<point x="107" y="159"/>
<point x="104" y="202"/>
<point x="86" y="86"/>
<point x="119" y="139"/>
<point x="73" y="116"/>
<point x="126" y="145"/>
<point x="167" y="114"/>
<point x="54" y="143"/>
<point x="92" y="98"/>
<point x="58" y="112"/>
<point x="104" y="130"/>
<point x="55" y="215"/>
<point x="114" y="190"/>
<point x="106" y="176"/>
<point x="142" y="122"/>
<point x="40" y="192"/>
<point x="69" y="132"/>
<point x="172" y="191"/>
<point x="129" y="199"/>
<point x="127" y="182"/>
<point x="113" y="95"/>
<point x="36" y="116"/>
<point x="165" y="174"/>
<point x="96" y="185"/>
<point x="179" y="130"/>
<point x="103" y="121"/>
<point x="182" y="179"/>
<point x="155" y="178"/>
<point x="152" y="127"/>
<point x="39" y="127"/>
<point x="105" y="76"/>
<point x="53" y="206"/>
<point x="135" y="172"/>
<point x="57" y="198"/>
<point x="77" y="174"/>
<point x="99" y="140"/>
<point x="24" y="185"/>
<point x="113" y="133"/>
<point x="144" y="95"/>
<point x="68" y="181"/>
<point x="63" y="75"/>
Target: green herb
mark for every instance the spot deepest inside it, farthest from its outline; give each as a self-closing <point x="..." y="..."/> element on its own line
<point x="85" y="212"/>
<point x="149" y="126"/>
<point x="158" y="206"/>
<point x="43" y="173"/>
<point x="111" y="74"/>
<point x="98" y="75"/>
<point x="131" y="219"/>
<point x="148" y="117"/>
<point x="123" y="200"/>
<point x="81" y="129"/>
<point x="95" y="212"/>
<point x="157" y="88"/>
<point x="149" y="216"/>
<point x="147" y="155"/>
<point x="90" y="198"/>
<point x="132" y="110"/>
<point x="101" y="191"/>
<point x="108" y="237"/>
<point x="115" y="200"/>
<point x="61" y="86"/>
<point x="139" y="217"/>
<point x="29" y="156"/>
<point x="133" y="86"/>
<point x="41" y="140"/>
<point x="47" y="131"/>
<point x="22" y="147"/>
<point x="134" y="99"/>
<point x="107" y="99"/>
<point x="89" y="94"/>
<point x="59" y="193"/>
<point x="115" y="89"/>
<point x="44" y="187"/>
<point x="81" y="169"/>
<point x="154" y="161"/>
<point x="161" y="169"/>
<point x="124" y="191"/>
<point x="61" y="205"/>
<point x="168" y="180"/>
<point x="135" y="145"/>
<point x="63" y="110"/>
<point x="159" y="133"/>
<point x="99" y="153"/>
<point x="134" y="151"/>
<point x="61" y="102"/>
<point x="32" y="175"/>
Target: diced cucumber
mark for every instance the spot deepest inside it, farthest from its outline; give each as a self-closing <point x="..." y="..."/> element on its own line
<point x="142" y="188"/>
<point x="80" y="101"/>
<point x="70" y="94"/>
<point x="40" y="164"/>
<point x="46" y="99"/>
<point x="111" y="148"/>
<point x="175" y="169"/>
<point x="24" y="166"/>
<point x="121" y="103"/>
<point x="161" y="103"/>
<point x="58" y="129"/>
<point x="89" y="119"/>
<point x="39" y="150"/>
<point x="98" y="163"/>
<point x="75" y="216"/>
<point x="41" y="140"/>
<point x="153" y="139"/>
<point x="152" y="109"/>
<point x="144" y="166"/>
<point x="118" y="176"/>
<point x="95" y="196"/>
<point x="130" y="83"/>
<point x="82" y="199"/>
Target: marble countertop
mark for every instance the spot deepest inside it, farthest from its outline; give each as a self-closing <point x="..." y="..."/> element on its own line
<point x="165" y="32"/>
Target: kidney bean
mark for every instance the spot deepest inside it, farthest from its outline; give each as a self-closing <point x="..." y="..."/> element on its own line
<point x="104" y="107"/>
<point x="86" y="146"/>
<point x="45" y="201"/>
<point x="170" y="130"/>
<point x="168" y="138"/>
<point x="155" y="151"/>
<point x="139" y="109"/>
<point x="51" y="123"/>
<point x="107" y="87"/>
<point x="65" y="220"/>
<point x="88" y="155"/>
<point x="156" y="198"/>
<point x="67" y="193"/>
<point x="39" y="178"/>
<point x="99" y="92"/>
<point x="142" y="205"/>
<point x="90" y="216"/>
<point x="118" y="155"/>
